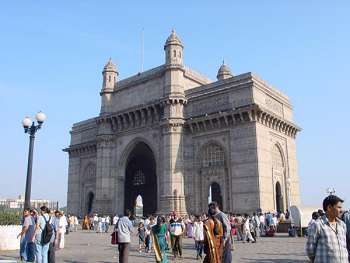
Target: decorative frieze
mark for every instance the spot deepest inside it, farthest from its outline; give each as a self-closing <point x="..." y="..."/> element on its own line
<point x="240" y="115"/>
<point x="133" y="118"/>
<point x="81" y="149"/>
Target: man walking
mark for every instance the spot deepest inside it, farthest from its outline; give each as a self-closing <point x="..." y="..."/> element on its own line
<point x="42" y="245"/>
<point x="124" y="228"/>
<point x="222" y="217"/>
<point x="27" y="247"/>
<point x="327" y="237"/>
<point x="177" y="228"/>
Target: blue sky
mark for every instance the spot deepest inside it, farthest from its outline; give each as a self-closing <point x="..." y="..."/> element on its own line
<point x="52" y="55"/>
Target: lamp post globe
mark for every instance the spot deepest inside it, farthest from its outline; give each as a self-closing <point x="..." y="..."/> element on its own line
<point x="26" y="122"/>
<point x="40" y="117"/>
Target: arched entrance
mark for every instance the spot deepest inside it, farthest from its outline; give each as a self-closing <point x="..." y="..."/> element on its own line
<point x="279" y="198"/>
<point x="139" y="206"/>
<point x="141" y="179"/>
<point x="215" y="194"/>
<point x="89" y="202"/>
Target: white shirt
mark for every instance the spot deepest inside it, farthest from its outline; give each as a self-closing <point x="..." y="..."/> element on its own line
<point x="262" y="219"/>
<point x="62" y="224"/>
<point x="275" y="220"/>
<point x="246" y="225"/>
<point x="198" y="233"/>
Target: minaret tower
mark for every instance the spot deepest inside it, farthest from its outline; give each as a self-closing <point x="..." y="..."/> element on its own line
<point x="172" y="196"/>
<point x="173" y="50"/>
<point x="110" y="75"/>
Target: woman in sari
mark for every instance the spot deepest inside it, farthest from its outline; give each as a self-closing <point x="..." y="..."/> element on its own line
<point x="159" y="232"/>
<point x="86" y="223"/>
<point x="213" y="243"/>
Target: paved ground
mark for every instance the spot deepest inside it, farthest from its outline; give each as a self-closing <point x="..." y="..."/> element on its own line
<point x="82" y="247"/>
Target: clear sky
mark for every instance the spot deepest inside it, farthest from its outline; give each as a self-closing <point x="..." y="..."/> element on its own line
<point x="52" y="55"/>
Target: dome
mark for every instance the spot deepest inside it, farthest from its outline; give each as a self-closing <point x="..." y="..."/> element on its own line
<point x="173" y="39"/>
<point x="224" y="72"/>
<point x="110" y="66"/>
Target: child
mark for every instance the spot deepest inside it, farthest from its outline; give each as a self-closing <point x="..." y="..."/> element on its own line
<point x="147" y="239"/>
<point x="141" y="233"/>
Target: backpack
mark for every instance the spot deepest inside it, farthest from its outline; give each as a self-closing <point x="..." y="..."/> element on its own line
<point x="47" y="232"/>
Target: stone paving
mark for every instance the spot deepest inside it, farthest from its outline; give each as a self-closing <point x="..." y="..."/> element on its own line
<point x="82" y="247"/>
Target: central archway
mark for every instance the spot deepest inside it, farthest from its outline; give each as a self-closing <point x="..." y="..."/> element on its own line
<point x="141" y="179"/>
<point x="279" y="198"/>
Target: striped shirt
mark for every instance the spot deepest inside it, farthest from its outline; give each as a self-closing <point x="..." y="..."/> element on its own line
<point x="325" y="243"/>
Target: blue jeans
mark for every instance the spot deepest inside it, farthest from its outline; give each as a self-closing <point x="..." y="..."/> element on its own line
<point x="22" y="248"/>
<point x="31" y="251"/>
<point x="42" y="253"/>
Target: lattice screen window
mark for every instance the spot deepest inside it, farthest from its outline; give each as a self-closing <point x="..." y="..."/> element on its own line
<point x="213" y="156"/>
<point x="277" y="160"/>
<point x="90" y="171"/>
<point x="139" y="178"/>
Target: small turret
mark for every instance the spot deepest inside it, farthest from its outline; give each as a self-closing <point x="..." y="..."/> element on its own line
<point x="224" y="72"/>
<point x="110" y="75"/>
<point x="173" y="50"/>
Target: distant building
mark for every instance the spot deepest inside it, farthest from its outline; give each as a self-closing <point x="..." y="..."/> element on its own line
<point x="18" y="203"/>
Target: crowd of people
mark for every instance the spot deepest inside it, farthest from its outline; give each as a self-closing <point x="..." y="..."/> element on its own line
<point x="43" y="233"/>
<point x="97" y="223"/>
<point x="214" y="233"/>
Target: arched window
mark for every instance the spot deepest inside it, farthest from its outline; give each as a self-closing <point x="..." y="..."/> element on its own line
<point x="90" y="172"/>
<point x="174" y="53"/>
<point x="109" y="78"/>
<point x="213" y="156"/>
<point x="277" y="161"/>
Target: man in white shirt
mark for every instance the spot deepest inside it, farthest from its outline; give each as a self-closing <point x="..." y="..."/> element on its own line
<point x="198" y="235"/>
<point x="124" y="228"/>
<point x="262" y="224"/>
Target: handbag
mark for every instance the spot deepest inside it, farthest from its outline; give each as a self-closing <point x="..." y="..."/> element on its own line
<point x="114" y="235"/>
<point x="114" y="239"/>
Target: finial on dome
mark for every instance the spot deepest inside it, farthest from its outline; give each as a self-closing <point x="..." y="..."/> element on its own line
<point x="110" y="65"/>
<point x="224" y="72"/>
<point x="173" y="39"/>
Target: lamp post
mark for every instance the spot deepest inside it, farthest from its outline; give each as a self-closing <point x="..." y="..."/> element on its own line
<point x="30" y="128"/>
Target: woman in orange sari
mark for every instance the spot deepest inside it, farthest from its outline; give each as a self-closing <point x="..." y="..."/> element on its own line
<point x="213" y="242"/>
<point x="86" y="223"/>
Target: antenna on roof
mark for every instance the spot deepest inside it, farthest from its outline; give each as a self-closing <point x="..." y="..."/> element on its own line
<point x="142" y="44"/>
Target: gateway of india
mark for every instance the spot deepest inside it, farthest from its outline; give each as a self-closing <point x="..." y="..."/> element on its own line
<point x="176" y="140"/>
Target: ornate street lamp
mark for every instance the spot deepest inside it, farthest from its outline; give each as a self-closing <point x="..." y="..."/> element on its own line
<point x="330" y="191"/>
<point x="30" y="128"/>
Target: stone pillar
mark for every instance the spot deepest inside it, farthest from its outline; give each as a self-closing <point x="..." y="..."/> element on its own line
<point x="104" y="179"/>
<point x="172" y="195"/>
<point x="73" y="195"/>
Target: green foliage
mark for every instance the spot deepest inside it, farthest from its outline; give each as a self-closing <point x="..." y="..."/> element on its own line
<point x="10" y="218"/>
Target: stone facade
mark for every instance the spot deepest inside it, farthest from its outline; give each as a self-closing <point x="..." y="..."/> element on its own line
<point x="170" y="135"/>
